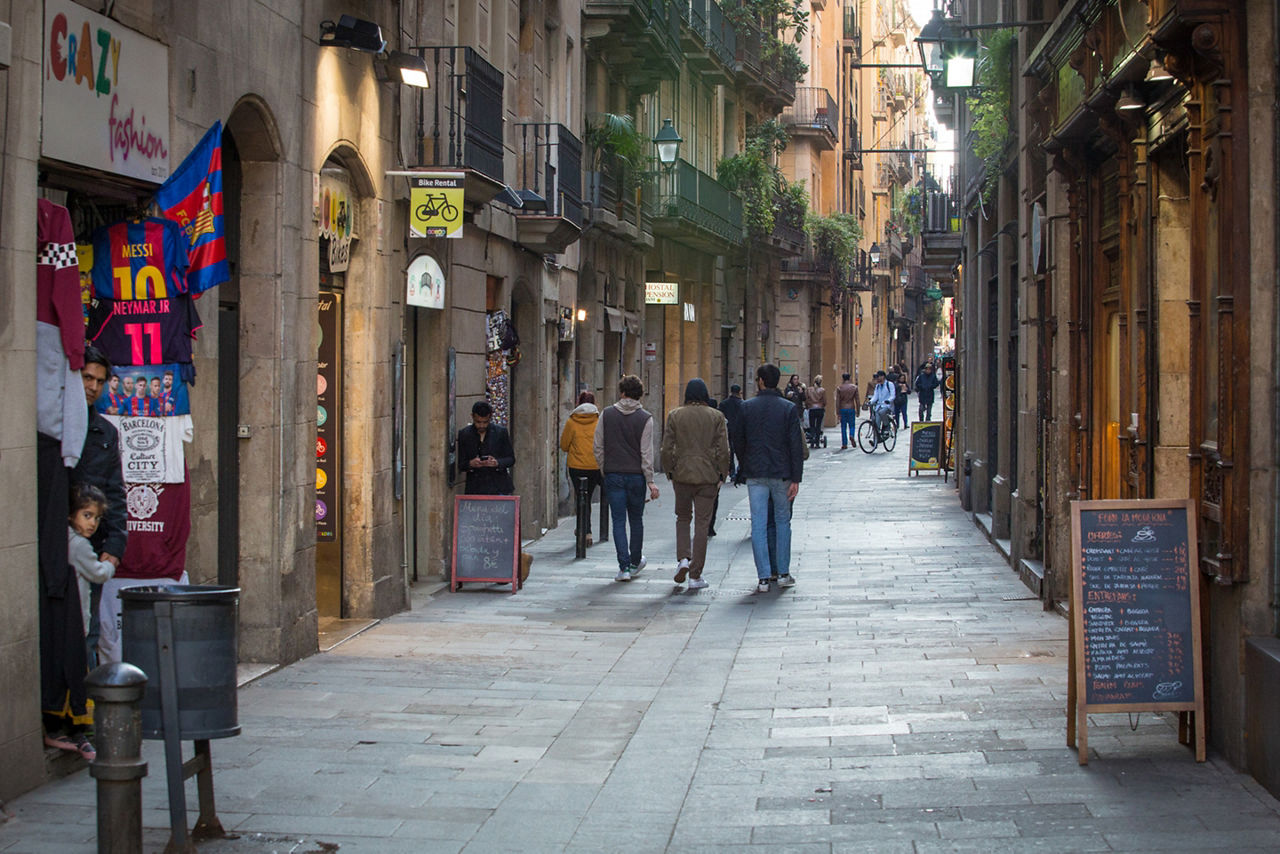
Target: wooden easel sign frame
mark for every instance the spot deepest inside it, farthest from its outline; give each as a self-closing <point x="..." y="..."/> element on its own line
<point x="1135" y="615"/>
<point x="488" y="528"/>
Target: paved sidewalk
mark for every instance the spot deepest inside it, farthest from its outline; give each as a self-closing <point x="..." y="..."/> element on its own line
<point x="906" y="696"/>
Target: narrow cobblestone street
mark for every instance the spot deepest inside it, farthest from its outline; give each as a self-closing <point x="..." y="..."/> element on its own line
<point x="906" y="696"/>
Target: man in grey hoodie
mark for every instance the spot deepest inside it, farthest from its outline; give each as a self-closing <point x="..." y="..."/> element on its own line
<point x="624" y="446"/>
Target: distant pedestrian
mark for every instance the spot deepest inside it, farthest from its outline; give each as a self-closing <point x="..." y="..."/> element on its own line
<point x="926" y="382"/>
<point x="624" y="446"/>
<point x="578" y="439"/>
<point x="731" y="408"/>
<point x="847" y="406"/>
<point x="485" y="453"/>
<point x="898" y="376"/>
<point x="772" y="464"/>
<point x="794" y="392"/>
<point x="695" y="455"/>
<point x="815" y="398"/>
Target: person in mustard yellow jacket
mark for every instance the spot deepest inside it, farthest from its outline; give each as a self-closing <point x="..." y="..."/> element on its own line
<point x="576" y="439"/>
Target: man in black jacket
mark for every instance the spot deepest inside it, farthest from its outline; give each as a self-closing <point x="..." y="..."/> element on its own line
<point x="731" y="408"/>
<point x="485" y="454"/>
<point x="770" y="447"/>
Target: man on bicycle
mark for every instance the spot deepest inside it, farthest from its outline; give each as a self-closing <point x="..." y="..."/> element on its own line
<point x="882" y="401"/>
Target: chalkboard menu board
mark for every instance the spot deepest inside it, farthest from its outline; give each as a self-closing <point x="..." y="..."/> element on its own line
<point x="926" y="447"/>
<point x="1135" y="609"/>
<point x="486" y="540"/>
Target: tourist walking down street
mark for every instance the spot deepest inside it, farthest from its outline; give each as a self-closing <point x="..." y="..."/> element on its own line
<point x="485" y="453"/>
<point x="624" y="446"/>
<point x="898" y="377"/>
<point x="847" y="406"/>
<point x="815" y="398"/>
<point x="794" y="392"/>
<point x="772" y="464"/>
<point x="926" y="382"/>
<point x="695" y="455"/>
<point x="731" y="408"/>
<point x="578" y="440"/>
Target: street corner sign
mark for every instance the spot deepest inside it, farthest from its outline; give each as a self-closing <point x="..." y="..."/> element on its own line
<point x="106" y="94"/>
<point x="426" y="283"/>
<point x="661" y="293"/>
<point x="435" y="204"/>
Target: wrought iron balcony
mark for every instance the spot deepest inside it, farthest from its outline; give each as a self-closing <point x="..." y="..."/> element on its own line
<point x="640" y="38"/>
<point x="940" y="239"/>
<point x="709" y="41"/>
<point x="460" y="119"/>
<point x="813" y="116"/>
<point x="550" y="181"/>
<point x="612" y="198"/>
<point x="852" y="32"/>
<point x="691" y="207"/>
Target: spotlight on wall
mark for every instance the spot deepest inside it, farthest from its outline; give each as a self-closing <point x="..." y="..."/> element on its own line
<point x="406" y="68"/>
<point x="582" y="315"/>
<point x="354" y="33"/>
<point x="1129" y="100"/>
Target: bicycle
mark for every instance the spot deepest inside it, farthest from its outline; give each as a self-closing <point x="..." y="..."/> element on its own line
<point x="437" y="205"/>
<point x="877" y="430"/>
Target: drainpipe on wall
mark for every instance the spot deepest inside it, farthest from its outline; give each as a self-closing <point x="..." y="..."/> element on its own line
<point x="1275" y="346"/>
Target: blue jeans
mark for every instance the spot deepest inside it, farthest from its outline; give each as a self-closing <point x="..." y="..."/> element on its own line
<point x="848" y="425"/>
<point x="759" y="492"/>
<point x="626" y="493"/>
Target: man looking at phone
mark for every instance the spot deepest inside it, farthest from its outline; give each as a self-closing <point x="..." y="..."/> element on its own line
<point x="485" y="454"/>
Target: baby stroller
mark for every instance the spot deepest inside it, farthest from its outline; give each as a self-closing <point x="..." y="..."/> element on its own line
<point x="814" y="435"/>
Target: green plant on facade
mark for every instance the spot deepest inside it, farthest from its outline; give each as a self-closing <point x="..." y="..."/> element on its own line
<point x="616" y="135"/>
<point x="907" y="212"/>
<point x="753" y="174"/>
<point x="782" y="24"/>
<point x="990" y="107"/>
<point x="834" y="238"/>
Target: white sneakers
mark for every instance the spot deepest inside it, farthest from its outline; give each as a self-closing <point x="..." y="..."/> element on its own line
<point x="786" y="581"/>
<point x="697" y="583"/>
<point x="682" y="570"/>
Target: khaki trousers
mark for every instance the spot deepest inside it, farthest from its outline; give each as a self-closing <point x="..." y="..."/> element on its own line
<point x="694" y="502"/>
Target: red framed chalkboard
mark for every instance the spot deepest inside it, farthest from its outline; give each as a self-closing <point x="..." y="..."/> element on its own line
<point x="486" y="540"/>
<point x="1135" y="615"/>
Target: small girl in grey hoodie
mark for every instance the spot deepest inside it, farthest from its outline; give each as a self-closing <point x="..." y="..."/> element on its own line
<point x="88" y="506"/>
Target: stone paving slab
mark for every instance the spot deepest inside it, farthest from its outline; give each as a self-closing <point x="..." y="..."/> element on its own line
<point x="905" y="697"/>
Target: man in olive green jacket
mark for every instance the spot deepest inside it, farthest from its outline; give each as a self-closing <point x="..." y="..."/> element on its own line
<point x="695" y="455"/>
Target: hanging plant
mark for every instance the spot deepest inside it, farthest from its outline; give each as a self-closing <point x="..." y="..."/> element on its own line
<point x="990" y="107"/>
<point x="782" y="25"/>
<point x="754" y="176"/>
<point x="835" y="239"/>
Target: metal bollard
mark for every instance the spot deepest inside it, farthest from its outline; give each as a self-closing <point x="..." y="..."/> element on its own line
<point x="583" y="509"/>
<point x="116" y="690"/>
<point x="604" y="515"/>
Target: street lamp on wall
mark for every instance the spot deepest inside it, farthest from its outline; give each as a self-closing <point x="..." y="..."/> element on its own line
<point x="668" y="144"/>
<point x="874" y="254"/>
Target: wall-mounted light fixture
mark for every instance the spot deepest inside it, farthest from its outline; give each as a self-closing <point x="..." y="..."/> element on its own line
<point x="582" y="315"/>
<point x="1157" y="73"/>
<point x="354" y="33"/>
<point x="874" y="254"/>
<point x="668" y="143"/>
<point x="1129" y="100"/>
<point x="399" y="67"/>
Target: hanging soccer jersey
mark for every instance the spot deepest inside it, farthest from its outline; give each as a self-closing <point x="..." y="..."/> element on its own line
<point x="145" y="332"/>
<point x="140" y="260"/>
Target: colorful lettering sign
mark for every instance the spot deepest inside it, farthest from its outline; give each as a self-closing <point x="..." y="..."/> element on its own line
<point x="106" y="94"/>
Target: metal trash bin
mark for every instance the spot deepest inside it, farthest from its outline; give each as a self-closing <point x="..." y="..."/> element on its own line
<point x="188" y="630"/>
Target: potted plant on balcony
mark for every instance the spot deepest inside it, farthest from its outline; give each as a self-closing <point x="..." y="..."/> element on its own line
<point x="990" y="106"/>
<point x="613" y="136"/>
<point x="781" y="24"/>
<point x="753" y="174"/>
<point x="835" y="238"/>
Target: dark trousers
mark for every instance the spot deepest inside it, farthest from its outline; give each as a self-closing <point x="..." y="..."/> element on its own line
<point x="626" y="494"/>
<point x="900" y="411"/>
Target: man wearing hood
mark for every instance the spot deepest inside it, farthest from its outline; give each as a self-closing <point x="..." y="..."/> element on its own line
<point x="624" y="446"/>
<point x="695" y="455"/>
<point x="578" y="440"/>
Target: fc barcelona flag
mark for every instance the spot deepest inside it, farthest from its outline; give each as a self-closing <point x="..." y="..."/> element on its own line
<point x="192" y="197"/>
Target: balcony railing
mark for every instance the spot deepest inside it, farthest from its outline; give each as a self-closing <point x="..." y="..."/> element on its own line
<point x="612" y="191"/>
<point x="694" y="199"/>
<point x="550" y="164"/>
<point x="460" y="116"/>
<point x="642" y="39"/>
<point x="814" y="109"/>
<point x="941" y="213"/>
<point x="711" y="32"/>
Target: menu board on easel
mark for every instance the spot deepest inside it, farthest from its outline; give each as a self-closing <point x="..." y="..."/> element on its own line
<point x="1135" y="615"/>
<point x="949" y="381"/>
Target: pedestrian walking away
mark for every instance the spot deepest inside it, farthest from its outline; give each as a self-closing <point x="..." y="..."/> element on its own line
<point x="772" y="464"/>
<point x="847" y="406"/>
<point x="485" y="453"/>
<point x="624" y="446"/>
<point x="926" y="382"/>
<point x="731" y="407"/>
<point x="695" y="455"/>
<point x="578" y="441"/>
<point x="815" y="397"/>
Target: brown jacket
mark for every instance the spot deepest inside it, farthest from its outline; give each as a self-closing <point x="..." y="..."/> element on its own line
<point x="846" y="396"/>
<point x="695" y="445"/>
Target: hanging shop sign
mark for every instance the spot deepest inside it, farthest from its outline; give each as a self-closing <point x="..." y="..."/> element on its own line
<point x="661" y="293"/>
<point x="106" y="94"/>
<point x="335" y="213"/>
<point x="435" y="204"/>
<point x="426" y="283"/>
